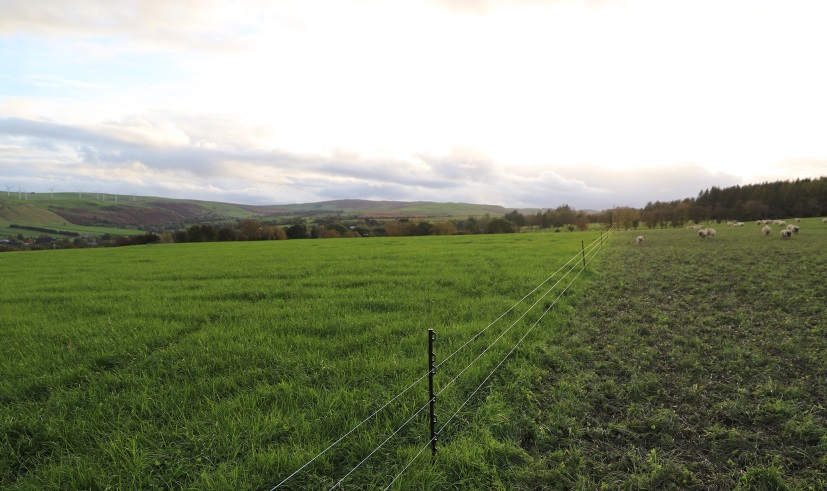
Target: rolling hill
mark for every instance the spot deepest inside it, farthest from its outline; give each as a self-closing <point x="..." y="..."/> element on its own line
<point x="128" y="215"/>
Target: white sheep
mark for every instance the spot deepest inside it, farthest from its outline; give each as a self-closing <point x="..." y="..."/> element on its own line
<point x="710" y="232"/>
<point x="702" y="233"/>
<point x="639" y="239"/>
<point x="786" y="234"/>
<point x="766" y="230"/>
<point x="793" y="228"/>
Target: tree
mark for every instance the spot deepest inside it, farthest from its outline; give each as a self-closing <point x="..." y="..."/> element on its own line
<point x="444" y="228"/>
<point x="499" y="226"/>
<point x="565" y="215"/>
<point x="582" y="223"/>
<point x="516" y="218"/>
<point x="298" y="231"/>
<point x="423" y="228"/>
<point x="624" y="217"/>
<point x="250" y="230"/>
<point x="225" y="234"/>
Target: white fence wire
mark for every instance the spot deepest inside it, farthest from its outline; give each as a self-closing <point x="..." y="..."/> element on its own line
<point x="586" y="255"/>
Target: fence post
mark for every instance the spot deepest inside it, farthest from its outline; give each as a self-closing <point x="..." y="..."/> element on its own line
<point x="431" y="395"/>
<point x="583" y="246"/>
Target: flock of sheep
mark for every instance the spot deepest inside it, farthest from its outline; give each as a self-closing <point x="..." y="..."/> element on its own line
<point x="706" y="232"/>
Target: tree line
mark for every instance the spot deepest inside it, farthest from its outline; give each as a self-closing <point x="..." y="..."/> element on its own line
<point x="802" y="198"/>
<point x="562" y="218"/>
<point x="781" y="199"/>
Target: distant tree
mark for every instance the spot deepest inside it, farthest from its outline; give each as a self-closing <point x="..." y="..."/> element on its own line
<point x="680" y="215"/>
<point x="423" y="228"/>
<point x="444" y="228"/>
<point x="226" y="234"/>
<point x="624" y="216"/>
<point x="250" y="230"/>
<point x="201" y="233"/>
<point x="298" y="231"/>
<point x="565" y="215"/>
<point x="516" y="218"/>
<point x="499" y="226"/>
<point x="582" y="222"/>
<point x="339" y="228"/>
<point x="279" y="233"/>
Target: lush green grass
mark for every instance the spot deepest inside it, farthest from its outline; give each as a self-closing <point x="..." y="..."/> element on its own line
<point x="231" y="365"/>
<point x="679" y="364"/>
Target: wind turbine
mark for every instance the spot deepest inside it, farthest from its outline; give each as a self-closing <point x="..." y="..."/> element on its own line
<point x="52" y="192"/>
<point x="8" y="189"/>
<point x="80" y="191"/>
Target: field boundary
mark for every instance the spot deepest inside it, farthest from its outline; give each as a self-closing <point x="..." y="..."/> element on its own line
<point x="576" y="265"/>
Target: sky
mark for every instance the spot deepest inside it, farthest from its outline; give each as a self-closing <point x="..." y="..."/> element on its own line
<point x="521" y="103"/>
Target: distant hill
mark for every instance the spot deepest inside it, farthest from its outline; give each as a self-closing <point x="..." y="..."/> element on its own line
<point x="92" y="212"/>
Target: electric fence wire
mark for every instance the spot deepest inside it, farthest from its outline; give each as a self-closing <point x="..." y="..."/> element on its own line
<point x="477" y="335"/>
<point x="507" y="355"/>
<point x="397" y="396"/>
<point x="421" y="378"/>
<point x="516" y="321"/>
<point x="542" y="316"/>
<point x="381" y="445"/>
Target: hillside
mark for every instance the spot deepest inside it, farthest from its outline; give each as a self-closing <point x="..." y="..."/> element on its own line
<point x="141" y="213"/>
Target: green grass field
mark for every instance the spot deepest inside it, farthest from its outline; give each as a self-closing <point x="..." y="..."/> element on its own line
<point x="228" y="366"/>
<point x="678" y="364"/>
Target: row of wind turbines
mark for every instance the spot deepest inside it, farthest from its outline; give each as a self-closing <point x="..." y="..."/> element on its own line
<point x="22" y="194"/>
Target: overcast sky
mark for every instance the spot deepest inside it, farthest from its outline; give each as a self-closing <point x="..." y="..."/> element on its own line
<point x="522" y="103"/>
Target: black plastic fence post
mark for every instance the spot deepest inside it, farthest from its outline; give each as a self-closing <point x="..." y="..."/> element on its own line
<point x="583" y="246"/>
<point x="431" y="395"/>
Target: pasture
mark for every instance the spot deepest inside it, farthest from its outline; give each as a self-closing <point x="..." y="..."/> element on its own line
<point x="692" y="364"/>
<point x="680" y="363"/>
<point x="229" y="365"/>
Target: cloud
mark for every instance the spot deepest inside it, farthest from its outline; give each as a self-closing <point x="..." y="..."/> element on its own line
<point x="483" y="7"/>
<point x="160" y="155"/>
<point x="201" y="24"/>
<point x="635" y="186"/>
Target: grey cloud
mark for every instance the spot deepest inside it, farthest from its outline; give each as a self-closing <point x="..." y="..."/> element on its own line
<point x="635" y="187"/>
<point x="76" y="156"/>
<point x="461" y="165"/>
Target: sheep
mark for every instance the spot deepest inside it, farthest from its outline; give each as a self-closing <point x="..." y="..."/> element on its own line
<point x="786" y="234"/>
<point x="824" y="220"/>
<point x="710" y="232"/>
<point x="702" y="233"/>
<point x="639" y="239"/>
<point x="793" y="228"/>
<point x="767" y="230"/>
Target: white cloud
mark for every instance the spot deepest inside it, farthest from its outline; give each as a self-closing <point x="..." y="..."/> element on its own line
<point x="498" y="102"/>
